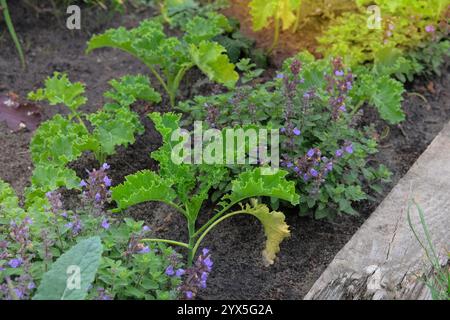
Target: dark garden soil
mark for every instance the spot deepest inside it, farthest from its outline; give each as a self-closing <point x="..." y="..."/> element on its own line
<point x="236" y="245"/>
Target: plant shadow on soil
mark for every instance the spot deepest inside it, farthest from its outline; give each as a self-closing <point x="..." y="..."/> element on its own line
<point x="236" y="244"/>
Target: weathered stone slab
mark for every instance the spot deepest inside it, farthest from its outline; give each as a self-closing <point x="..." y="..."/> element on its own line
<point x="383" y="260"/>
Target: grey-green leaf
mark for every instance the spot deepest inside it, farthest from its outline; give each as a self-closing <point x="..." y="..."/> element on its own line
<point x="71" y="275"/>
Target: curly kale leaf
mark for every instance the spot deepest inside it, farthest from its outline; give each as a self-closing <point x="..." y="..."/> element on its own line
<point x="254" y="183"/>
<point x="129" y="89"/>
<point x="211" y="58"/>
<point x="142" y="187"/>
<point x="59" y="90"/>
<point x="59" y="141"/>
<point x="9" y="203"/>
<point x="384" y="93"/>
<point x="114" y="128"/>
<point x="201" y="29"/>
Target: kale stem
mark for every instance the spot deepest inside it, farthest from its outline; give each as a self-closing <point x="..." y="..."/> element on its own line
<point x="297" y="18"/>
<point x="276" y="37"/>
<point x="197" y="244"/>
<point x="175" y="243"/>
<point x="191" y="229"/>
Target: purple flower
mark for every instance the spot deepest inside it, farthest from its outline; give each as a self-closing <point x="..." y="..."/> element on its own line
<point x="297" y="132"/>
<point x="297" y="169"/>
<point x="107" y="181"/>
<point x="98" y="197"/>
<point x="146" y="228"/>
<point x="349" y="148"/>
<point x="105" y="224"/>
<point x="343" y="108"/>
<point x="83" y="184"/>
<point x="430" y="29"/>
<point x="19" y="293"/>
<point x="64" y="215"/>
<point x="15" y="263"/>
<point x="189" y="294"/>
<point x="280" y="76"/>
<point x="313" y="172"/>
<point x="339" y="153"/>
<point x="106" y="166"/>
<point x="208" y="263"/>
<point x="169" y="271"/>
<point x="311" y="153"/>
<point x="339" y="73"/>
<point x="144" y="250"/>
<point x="205" y="251"/>
<point x="31" y="286"/>
<point x="289" y="164"/>
<point x="306" y="95"/>
<point x="349" y="85"/>
<point x="329" y="167"/>
<point x="69" y="225"/>
<point x="180" y="272"/>
<point x="283" y="130"/>
<point x="305" y="177"/>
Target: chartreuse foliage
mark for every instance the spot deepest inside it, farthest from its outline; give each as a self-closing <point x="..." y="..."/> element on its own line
<point x="63" y="139"/>
<point x="186" y="187"/>
<point x="85" y="257"/>
<point x="283" y="13"/>
<point x="404" y="26"/>
<point x="169" y="58"/>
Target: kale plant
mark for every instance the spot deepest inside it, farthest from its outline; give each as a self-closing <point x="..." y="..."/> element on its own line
<point x="169" y="58"/>
<point x="311" y="103"/>
<point x="63" y="139"/>
<point x="186" y="187"/>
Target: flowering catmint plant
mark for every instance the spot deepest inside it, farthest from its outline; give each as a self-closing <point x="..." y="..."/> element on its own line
<point x="339" y="83"/>
<point x="29" y="246"/>
<point x="195" y="277"/>
<point x="96" y="189"/>
<point x="321" y="143"/>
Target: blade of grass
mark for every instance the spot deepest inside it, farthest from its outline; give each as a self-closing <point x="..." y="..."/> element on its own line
<point x="11" y="30"/>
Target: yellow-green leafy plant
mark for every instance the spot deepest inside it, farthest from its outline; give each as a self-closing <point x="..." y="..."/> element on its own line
<point x="404" y="25"/>
<point x="283" y="13"/>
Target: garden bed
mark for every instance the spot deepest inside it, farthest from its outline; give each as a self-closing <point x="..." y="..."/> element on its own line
<point x="239" y="272"/>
